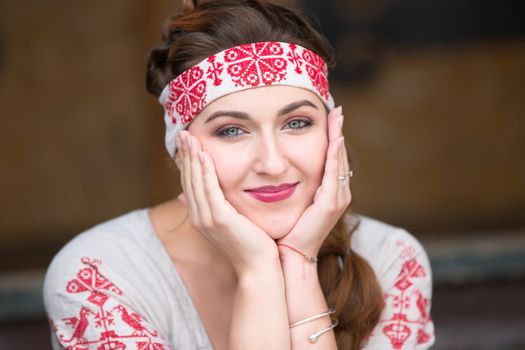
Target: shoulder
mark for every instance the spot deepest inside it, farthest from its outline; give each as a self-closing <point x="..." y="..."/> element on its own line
<point x="385" y="247"/>
<point x="372" y="234"/>
<point x="103" y="271"/>
<point x="106" y="241"/>
<point x="114" y="251"/>
<point x="106" y="249"/>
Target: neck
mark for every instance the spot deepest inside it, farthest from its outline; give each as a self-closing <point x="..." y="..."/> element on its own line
<point x="182" y="241"/>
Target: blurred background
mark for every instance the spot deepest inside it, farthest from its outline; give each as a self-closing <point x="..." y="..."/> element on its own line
<point x="433" y="92"/>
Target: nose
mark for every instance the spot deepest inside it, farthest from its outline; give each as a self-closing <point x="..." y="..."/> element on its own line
<point x="269" y="156"/>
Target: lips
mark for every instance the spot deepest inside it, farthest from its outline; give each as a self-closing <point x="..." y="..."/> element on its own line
<point x="273" y="193"/>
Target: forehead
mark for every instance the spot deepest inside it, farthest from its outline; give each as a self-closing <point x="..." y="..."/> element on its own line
<point x="266" y="98"/>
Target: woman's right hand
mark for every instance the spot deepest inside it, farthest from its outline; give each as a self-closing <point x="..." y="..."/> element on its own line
<point x="246" y="245"/>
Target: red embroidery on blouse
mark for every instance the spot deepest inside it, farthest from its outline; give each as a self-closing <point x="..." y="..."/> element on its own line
<point x="107" y="324"/>
<point x="187" y="95"/>
<point x="256" y="64"/>
<point x="409" y="308"/>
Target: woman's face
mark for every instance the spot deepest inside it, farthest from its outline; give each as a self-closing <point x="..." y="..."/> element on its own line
<point x="269" y="147"/>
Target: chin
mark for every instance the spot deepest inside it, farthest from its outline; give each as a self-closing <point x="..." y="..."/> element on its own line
<point x="278" y="224"/>
<point x="276" y="233"/>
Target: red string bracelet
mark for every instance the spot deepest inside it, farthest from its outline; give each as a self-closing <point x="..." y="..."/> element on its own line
<point x="310" y="259"/>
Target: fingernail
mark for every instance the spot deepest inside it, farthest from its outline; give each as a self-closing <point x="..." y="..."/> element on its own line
<point x="340" y="110"/>
<point x="341" y="120"/>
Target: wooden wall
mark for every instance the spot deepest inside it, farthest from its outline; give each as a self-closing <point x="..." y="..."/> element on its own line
<point x="439" y="131"/>
<point x="439" y="134"/>
<point x="78" y="129"/>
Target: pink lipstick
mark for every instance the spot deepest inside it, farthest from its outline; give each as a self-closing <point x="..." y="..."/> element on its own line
<point x="273" y="193"/>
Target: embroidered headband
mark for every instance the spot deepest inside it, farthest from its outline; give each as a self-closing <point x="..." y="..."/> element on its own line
<point x="236" y="69"/>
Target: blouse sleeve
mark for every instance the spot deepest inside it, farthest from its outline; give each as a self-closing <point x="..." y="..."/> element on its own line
<point x="407" y="286"/>
<point x="86" y="310"/>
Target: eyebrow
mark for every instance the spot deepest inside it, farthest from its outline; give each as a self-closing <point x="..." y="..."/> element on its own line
<point x="242" y="115"/>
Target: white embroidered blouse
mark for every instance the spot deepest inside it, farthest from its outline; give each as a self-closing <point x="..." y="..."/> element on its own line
<point x="115" y="287"/>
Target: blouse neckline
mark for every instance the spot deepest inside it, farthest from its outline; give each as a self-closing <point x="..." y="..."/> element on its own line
<point x="186" y="297"/>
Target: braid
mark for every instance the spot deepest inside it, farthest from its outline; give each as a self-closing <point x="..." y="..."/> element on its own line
<point x="352" y="289"/>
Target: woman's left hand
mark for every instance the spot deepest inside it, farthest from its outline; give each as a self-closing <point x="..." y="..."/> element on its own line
<point x="331" y="198"/>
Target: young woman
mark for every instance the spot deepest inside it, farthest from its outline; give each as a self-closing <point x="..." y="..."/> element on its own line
<point x="259" y="250"/>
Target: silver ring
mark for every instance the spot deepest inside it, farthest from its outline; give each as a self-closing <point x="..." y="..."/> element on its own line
<point x="343" y="177"/>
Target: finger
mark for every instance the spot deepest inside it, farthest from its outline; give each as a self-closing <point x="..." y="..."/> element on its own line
<point x="334" y="121"/>
<point x="212" y="187"/>
<point x="343" y="177"/>
<point x="178" y="157"/>
<point x="197" y="183"/>
<point x="187" y="177"/>
<point x="180" y="164"/>
<point x="332" y="170"/>
<point x="348" y="193"/>
<point x="330" y="180"/>
<point x="334" y="133"/>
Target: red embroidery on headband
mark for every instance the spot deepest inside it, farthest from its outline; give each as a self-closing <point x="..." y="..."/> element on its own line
<point x="214" y="70"/>
<point x="187" y="95"/>
<point x="238" y="68"/>
<point x="295" y="59"/>
<point x="256" y="64"/>
<point x="316" y="69"/>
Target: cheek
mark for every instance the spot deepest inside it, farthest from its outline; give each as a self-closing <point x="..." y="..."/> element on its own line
<point x="229" y="165"/>
<point x="311" y="157"/>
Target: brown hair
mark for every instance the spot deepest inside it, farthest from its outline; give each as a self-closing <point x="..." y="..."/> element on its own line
<point x="208" y="27"/>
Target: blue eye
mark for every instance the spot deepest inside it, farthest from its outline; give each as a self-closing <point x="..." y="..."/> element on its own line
<point x="297" y="124"/>
<point x="229" y="131"/>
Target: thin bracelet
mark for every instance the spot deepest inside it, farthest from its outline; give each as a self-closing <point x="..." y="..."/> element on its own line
<point x="315" y="317"/>
<point x="310" y="259"/>
<point x="312" y="338"/>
